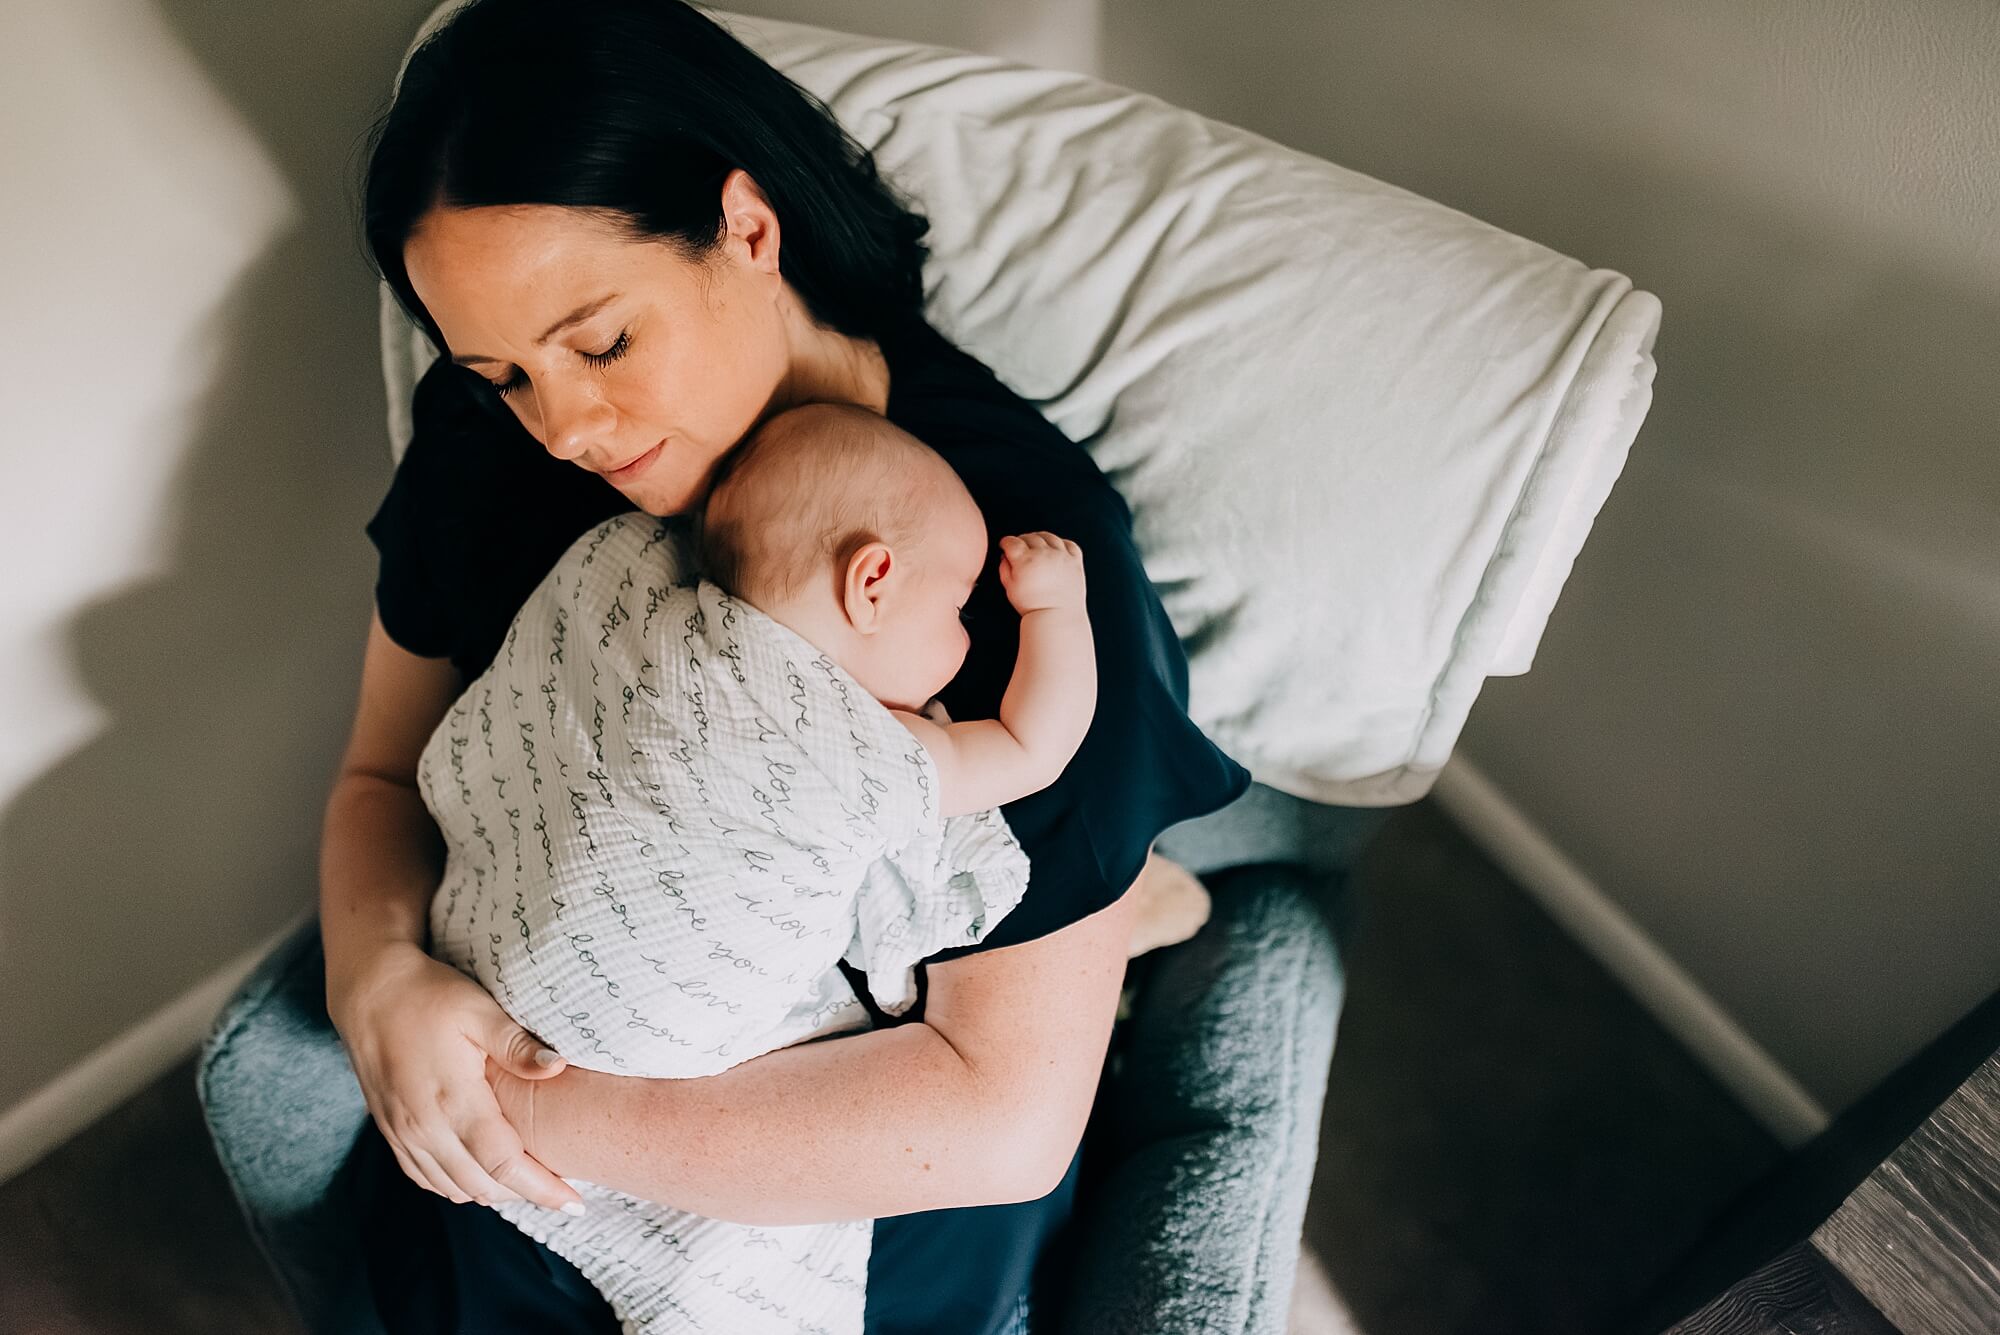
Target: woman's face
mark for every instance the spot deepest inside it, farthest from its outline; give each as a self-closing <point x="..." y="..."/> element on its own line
<point x="618" y="355"/>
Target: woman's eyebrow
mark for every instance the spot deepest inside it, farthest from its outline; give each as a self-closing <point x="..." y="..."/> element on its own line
<point x="577" y="316"/>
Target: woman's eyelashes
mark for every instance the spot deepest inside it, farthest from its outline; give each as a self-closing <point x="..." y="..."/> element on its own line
<point x="611" y="354"/>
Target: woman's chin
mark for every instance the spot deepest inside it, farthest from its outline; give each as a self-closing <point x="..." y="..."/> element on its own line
<point x="656" y="501"/>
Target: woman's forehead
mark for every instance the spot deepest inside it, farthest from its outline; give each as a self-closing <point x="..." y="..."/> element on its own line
<point x="525" y="268"/>
<point x="540" y="236"/>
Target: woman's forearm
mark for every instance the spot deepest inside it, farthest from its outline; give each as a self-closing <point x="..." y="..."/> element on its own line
<point x="876" y="1124"/>
<point x="380" y="858"/>
<point x="982" y="1103"/>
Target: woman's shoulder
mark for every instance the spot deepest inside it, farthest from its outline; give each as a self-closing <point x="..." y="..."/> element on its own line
<point x="459" y="549"/>
<point x="1003" y="447"/>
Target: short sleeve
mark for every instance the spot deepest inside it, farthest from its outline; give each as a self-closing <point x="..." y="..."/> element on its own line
<point x="413" y="613"/>
<point x="476" y="514"/>
<point x="944" y="889"/>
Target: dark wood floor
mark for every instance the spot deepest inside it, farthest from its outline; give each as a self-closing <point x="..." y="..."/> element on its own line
<point x="130" y="1229"/>
<point x="1509" y="1145"/>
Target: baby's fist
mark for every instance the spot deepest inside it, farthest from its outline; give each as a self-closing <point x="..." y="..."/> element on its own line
<point x="1040" y="570"/>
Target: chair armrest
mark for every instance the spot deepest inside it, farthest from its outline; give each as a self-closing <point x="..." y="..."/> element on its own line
<point x="283" y="1108"/>
<point x="1202" y="1147"/>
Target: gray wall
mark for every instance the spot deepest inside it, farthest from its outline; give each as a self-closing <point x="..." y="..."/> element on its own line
<point x="1763" y="719"/>
<point x="1057" y="34"/>
<point x="193" y="440"/>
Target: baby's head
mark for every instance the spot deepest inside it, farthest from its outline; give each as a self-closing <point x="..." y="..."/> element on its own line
<point x="855" y="534"/>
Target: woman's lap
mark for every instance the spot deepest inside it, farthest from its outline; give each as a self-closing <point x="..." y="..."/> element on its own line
<point x="284" y="1111"/>
<point x="436" y="1267"/>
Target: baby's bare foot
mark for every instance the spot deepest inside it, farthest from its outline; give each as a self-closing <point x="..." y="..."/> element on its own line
<point x="1172" y="905"/>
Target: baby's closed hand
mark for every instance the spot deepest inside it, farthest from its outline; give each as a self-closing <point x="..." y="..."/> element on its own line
<point x="1041" y="570"/>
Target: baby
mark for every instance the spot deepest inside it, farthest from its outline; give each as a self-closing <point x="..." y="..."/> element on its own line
<point x="674" y="808"/>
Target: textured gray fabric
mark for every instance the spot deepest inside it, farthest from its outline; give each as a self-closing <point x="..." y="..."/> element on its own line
<point x="1191" y="1219"/>
<point x="1265" y="825"/>
<point x="284" y="1109"/>
<point x="1208" y="1125"/>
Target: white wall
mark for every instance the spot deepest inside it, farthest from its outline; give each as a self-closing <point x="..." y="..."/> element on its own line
<point x="1764" y="718"/>
<point x="1057" y="34"/>
<point x="193" y="439"/>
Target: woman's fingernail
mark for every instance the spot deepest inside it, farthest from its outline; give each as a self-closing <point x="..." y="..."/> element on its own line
<point x="547" y="1056"/>
<point x="573" y="1209"/>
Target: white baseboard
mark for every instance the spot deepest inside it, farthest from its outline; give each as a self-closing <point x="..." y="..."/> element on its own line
<point x="1765" y="1089"/>
<point x="125" y="1065"/>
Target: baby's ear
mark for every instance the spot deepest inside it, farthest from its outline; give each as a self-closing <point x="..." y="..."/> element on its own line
<point x="865" y="584"/>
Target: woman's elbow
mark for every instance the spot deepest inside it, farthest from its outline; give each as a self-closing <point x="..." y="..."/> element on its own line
<point x="1036" y="1152"/>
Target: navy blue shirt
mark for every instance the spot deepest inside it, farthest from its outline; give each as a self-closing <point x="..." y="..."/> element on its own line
<point x="477" y="514"/>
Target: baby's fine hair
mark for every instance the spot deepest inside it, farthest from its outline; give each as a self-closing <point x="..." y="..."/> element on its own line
<point x="805" y="490"/>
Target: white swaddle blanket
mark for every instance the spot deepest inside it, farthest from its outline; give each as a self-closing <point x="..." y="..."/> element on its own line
<point x="668" y="817"/>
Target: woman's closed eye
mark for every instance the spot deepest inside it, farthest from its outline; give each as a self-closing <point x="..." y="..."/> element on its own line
<point x="611" y="354"/>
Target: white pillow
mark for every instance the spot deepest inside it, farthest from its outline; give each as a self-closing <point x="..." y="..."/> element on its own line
<point x="1362" y="435"/>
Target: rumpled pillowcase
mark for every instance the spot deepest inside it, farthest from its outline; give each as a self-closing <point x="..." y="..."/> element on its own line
<point x="1363" y="435"/>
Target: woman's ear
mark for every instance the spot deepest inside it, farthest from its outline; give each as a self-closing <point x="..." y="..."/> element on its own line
<point x="749" y="218"/>
<point x="864" y="586"/>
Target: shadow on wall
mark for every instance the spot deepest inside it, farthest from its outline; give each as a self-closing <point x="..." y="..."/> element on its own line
<point x="186" y="829"/>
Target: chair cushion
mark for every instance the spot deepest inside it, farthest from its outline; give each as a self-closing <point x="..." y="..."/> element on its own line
<point x="1363" y="435"/>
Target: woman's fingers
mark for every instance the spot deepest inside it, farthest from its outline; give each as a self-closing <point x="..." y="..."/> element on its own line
<point x="527" y="1175"/>
<point x="403" y="1160"/>
<point x="395" y="1144"/>
<point x="422" y="1041"/>
<point x="463" y="1165"/>
<point x="486" y="1162"/>
<point x="439" y="1180"/>
<point x="494" y="1144"/>
<point x="519" y="1051"/>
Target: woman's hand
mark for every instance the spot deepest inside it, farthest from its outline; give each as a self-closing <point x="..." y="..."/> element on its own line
<point x="421" y="1036"/>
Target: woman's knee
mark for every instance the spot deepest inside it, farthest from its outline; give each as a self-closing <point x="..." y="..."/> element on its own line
<point x="275" y="1084"/>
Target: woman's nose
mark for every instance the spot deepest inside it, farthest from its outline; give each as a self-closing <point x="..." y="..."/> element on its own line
<point x="572" y="423"/>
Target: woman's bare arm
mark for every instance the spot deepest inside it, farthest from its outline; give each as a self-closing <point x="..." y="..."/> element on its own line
<point x="420" y="1034"/>
<point x="984" y="1102"/>
<point x="380" y="856"/>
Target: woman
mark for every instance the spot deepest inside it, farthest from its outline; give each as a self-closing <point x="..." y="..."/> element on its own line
<point x="634" y="240"/>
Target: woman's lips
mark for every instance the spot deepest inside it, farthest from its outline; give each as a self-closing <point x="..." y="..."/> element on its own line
<point x="627" y="472"/>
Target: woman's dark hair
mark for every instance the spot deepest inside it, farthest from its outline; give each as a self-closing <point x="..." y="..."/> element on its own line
<point x="639" y="109"/>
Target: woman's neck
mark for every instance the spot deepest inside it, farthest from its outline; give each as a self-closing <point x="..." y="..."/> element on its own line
<point x="828" y="366"/>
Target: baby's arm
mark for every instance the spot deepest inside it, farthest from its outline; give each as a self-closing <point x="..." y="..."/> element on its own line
<point x="1050" y="699"/>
